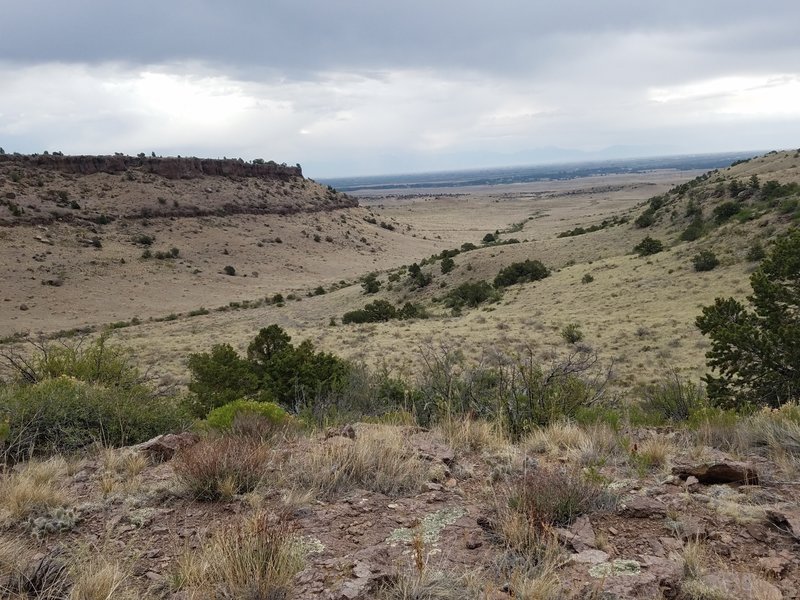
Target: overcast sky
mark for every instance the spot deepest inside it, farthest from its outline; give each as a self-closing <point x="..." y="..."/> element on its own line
<point x="373" y="86"/>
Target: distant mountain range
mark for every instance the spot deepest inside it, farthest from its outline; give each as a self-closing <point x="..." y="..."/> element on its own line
<point x="528" y="173"/>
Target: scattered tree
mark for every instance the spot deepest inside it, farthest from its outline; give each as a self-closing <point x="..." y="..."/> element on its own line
<point x="756" y="352"/>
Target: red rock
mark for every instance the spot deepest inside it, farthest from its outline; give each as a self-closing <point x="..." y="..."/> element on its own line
<point x="721" y="472"/>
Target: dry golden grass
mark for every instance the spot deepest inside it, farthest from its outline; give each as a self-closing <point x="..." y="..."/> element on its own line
<point x="472" y="435"/>
<point x="32" y="490"/>
<point x="98" y="579"/>
<point x="378" y="459"/>
<point x="253" y="558"/>
<point x="655" y="452"/>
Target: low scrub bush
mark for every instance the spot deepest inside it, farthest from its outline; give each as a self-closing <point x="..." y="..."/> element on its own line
<point x="521" y="272"/>
<point x="217" y="468"/>
<point x="64" y="415"/>
<point x="555" y="497"/>
<point x="223" y="418"/>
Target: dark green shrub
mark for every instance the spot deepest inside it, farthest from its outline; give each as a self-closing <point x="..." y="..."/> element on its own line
<point x="694" y="231"/>
<point x="471" y="293"/>
<point x="521" y="272"/>
<point x="63" y="414"/>
<point x="375" y="312"/>
<point x="587" y="278"/>
<point x="490" y="238"/>
<point x="648" y="246"/>
<point x="646" y="219"/>
<point x="371" y="284"/>
<point x="756" y="252"/>
<point x="218" y="378"/>
<point x="448" y="264"/>
<point x="705" y="260"/>
<point x="725" y="211"/>
<point x="468" y="247"/>
<point x="412" y="311"/>
<point x="229" y="270"/>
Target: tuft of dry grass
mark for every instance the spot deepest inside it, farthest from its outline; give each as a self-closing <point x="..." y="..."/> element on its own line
<point x="472" y="435"/>
<point x="33" y="490"/>
<point x="217" y="468"/>
<point x="378" y="460"/>
<point x="594" y="444"/>
<point x="254" y="558"/>
<point x="654" y="453"/>
<point x="98" y="579"/>
<point x="429" y="585"/>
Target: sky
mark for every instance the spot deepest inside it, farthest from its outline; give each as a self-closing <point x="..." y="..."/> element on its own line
<point x="348" y="87"/>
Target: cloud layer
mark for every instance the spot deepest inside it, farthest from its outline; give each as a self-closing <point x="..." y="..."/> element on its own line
<point x="373" y="87"/>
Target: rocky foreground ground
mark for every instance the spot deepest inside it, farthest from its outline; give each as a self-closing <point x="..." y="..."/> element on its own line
<point x="398" y="511"/>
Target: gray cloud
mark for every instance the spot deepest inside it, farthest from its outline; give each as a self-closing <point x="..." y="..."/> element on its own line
<point x="368" y="86"/>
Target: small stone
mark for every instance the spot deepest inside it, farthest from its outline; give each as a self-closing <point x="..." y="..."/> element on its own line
<point x="153" y="576"/>
<point x="433" y="487"/>
<point x="23" y="307"/>
<point x="589" y="557"/>
<point x="473" y="542"/>
<point x="642" y="507"/>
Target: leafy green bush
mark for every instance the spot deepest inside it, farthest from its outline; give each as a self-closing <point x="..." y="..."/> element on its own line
<point x="95" y="362"/>
<point x="587" y="278"/>
<point x="705" y="260"/>
<point x="222" y="418"/>
<point x="672" y="399"/>
<point x="572" y="333"/>
<point x="63" y="414"/>
<point x="471" y="293"/>
<point x="648" y="246"/>
<point x="521" y="272"/>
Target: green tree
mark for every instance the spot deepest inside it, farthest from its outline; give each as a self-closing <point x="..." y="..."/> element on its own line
<point x="756" y="352"/>
<point x="219" y="377"/>
<point x="267" y="345"/>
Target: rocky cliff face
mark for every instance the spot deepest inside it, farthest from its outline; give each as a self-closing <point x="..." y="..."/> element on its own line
<point x="169" y="168"/>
